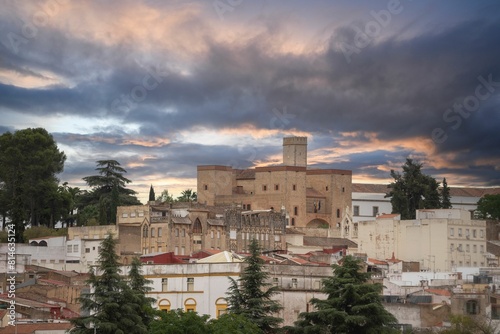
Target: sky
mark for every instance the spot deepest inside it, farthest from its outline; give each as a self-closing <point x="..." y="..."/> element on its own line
<point x="164" y="86"/>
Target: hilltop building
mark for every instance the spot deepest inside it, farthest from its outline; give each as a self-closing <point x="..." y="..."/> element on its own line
<point x="311" y="198"/>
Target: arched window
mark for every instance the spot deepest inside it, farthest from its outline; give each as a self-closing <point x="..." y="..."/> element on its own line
<point x="33" y="243"/>
<point x="197" y="226"/>
<point x="190" y="305"/>
<point x="220" y="307"/>
<point x="164" y="305"/>
<point x="472" y="307"/>
<point x="42" y="243"/>
<point x="145" y="231"/>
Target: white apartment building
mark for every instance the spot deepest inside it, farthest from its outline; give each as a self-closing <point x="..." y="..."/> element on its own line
<point x="440" y="239"/>
<point x="368" y="200"/>
<point x="202" y="287"/>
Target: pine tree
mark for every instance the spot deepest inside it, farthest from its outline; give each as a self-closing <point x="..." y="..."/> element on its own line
<point x="111" y="309"/>
<point x="252" y="298"/>
<point x="445" y="196"/>
<point x="151" y="194"/>
<point x="139" y="286"/>
<point x="353" y="305"/>
<point x="412" y="190"/>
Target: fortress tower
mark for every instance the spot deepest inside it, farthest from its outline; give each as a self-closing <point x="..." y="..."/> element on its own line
<point x="295" y="151"/>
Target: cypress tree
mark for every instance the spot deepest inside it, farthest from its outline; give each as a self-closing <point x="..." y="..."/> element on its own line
<point x="445" y="196"/>
<point x="151" y="193"/>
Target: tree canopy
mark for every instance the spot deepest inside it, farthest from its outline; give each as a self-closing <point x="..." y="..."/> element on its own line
<point x="188" y="195"/>
<point x="252" y="296"/>
<point x="353" y="305"/>
<point x="413" y="190"/>
<point x="29" y="191"/>
<point x="488" y="207"/>
<point x="114" y="307"/>
<point x="151" y="193"/>
<point x="108" y="191"/>
<point x="165" y="197"/>
<point x="445" y="196"/>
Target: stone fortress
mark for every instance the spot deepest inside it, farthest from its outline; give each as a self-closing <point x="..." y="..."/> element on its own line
<point x="311" y="198"/>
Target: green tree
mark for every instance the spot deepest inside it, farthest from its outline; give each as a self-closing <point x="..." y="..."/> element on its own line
<point x="445" y="196"/>
<point x="353" y="305"/>
<point x="111" y="308"/>
<point x="488" y="207"/>
<point x="29" y="163"/>
<point x="412" y="190"/>
<point x="165" y="197"/>
<point x="465" y="324"/>
<point x="188" y="195"/>
<point x="151" y="194"/>
<point x="252" y="296"/>
<point x="140" y="286"/>
<point x="234" y="324"/>
<point x="108" y="191"/>
<point x="180" y="322"/>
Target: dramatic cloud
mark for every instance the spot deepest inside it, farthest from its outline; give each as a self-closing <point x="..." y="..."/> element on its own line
<point x="164" y="87"/>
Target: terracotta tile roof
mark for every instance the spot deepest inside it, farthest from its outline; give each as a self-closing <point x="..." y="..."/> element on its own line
<point x="375" y="261"/>
<point x="440" y="292"/>
<point x="245" y="174"/>
<point x="181" y="220"/>
<point x="290" y="230"/>
<point x="31" y="328"/>
<point x="454" y="191"/>
<point x="388" y="215"/>
<point x="311" y="192"/>
<point x="328" y="242"/>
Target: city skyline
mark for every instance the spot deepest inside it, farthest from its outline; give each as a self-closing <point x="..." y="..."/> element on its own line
<point x="164" y="87"/>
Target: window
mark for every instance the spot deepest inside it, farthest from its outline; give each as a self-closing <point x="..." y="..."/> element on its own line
<point x="296" y="210"/>
<point x="459" y="247"/>
<point x="176" y="250"/>
<point x="159" y="231"/>
<point x="481" y="249"/>
<point x="474" y="248"/>
<point x="375" y="211"/>
<point x="338" y="213"/>
<point x="293" y="221"/>
<point x="276" y="187"/>
<point x="459" y="232"/>
<point x="326" y="188"/>
<point x="474" y="234"/>
<point x="124" y="215"/>
<point x="197" y="226"/>
<point x="218" y="234"/>
<point x="294" y="187"/>
<point x="356" y="210"/>
<point x="176" y="232"/>
<point x="467" y="233"/>
<point x="87" y="250"/>
<point x="249" y="207"/>
<point x="190" y="284"/>
<point x="164" y="305"/>
<point x="183" y="233"/>
<point x="472" y="307"/>
<point x="183" y="250"/>
<point x="69" y="248"/>
<point x="452" y="231"/>
<point x="164" y="284"/>
<point x="205" y="186"/>
<point x="211" y="234"/>
<point x="264" y="187"/>
<point x="145" y="231"/>
<point x="294" y="283"/>
<point x="152" y="232"/>
<point x="75" y="248"/>
<point x="343" y="189"/>
<point x="221" y="307"/>
<point x="132" y="214"/>
<point x="452" y="247"/>
<point x="467" y="248"/>
<point x="190" y="305"/>
<point x="481" y="233"/>
<point x="275" y="281"/>
<point x="317" y="284"/>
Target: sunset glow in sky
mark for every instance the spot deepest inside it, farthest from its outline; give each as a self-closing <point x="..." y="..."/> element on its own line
<point x="164" y="86"/>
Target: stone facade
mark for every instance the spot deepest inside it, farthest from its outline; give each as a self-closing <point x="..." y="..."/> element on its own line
<point x="310" y="197"/>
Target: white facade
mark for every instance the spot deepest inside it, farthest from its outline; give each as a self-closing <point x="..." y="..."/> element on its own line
<point x="53" y="257"/>
<point x="202" y="287"/>
<point x="368" y="200"/>
<point x="440" y="239"/>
